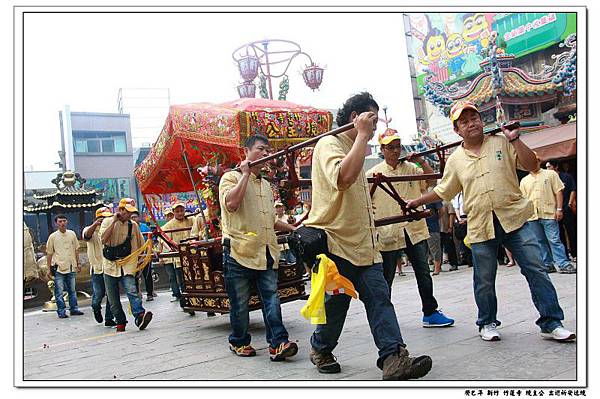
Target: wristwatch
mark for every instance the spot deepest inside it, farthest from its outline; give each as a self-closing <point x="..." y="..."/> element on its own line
<point x="515" y="138"/>
<point x="559" y="209"/>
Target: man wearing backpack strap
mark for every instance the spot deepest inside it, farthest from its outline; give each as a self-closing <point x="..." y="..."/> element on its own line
<point x="115" y="232"/>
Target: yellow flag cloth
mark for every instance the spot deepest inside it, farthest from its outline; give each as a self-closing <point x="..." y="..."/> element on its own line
<point x="327" y="278"/>
<point x="145" y="251"/>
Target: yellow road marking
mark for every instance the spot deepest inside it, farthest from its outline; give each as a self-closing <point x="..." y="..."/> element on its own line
<point x="71" y="342"/>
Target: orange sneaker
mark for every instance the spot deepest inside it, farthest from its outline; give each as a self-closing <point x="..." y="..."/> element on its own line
<point x="243" y="350"/>
<point x="285" y="349"/>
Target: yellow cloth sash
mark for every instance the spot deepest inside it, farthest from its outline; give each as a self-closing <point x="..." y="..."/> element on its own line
<point x="145" y="251"/>
<point x="326" y="279"/>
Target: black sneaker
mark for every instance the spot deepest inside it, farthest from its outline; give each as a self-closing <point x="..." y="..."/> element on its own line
<point x="143" y="320"/>
<point x="110" y="323"/>
<point x="98" y="316"/>
<point x="63" y="316"/>
<point x="149" y="298"/>
<point x="76" y="313"/>
<point x="326" y="363"/>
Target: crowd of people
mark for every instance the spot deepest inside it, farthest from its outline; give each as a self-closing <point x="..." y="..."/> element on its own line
<point x="478" y="210"/>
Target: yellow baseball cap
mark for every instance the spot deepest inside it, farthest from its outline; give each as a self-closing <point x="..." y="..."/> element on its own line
<point x="168" y="211"/>
<point x="278" y="203"/>
<point x="104" y="211"/>
<point x="459" y="107"/>
<point x="388" y="136"/>
<point x="128" y="204"/>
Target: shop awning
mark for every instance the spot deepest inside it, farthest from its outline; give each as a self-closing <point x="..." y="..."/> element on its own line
<point x="554" y="142"/>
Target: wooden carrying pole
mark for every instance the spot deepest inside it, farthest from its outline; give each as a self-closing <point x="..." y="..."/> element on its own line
<point x="301" y="145"/>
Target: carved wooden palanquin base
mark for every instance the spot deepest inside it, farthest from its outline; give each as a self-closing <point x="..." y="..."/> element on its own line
<point x="204" y="285"/>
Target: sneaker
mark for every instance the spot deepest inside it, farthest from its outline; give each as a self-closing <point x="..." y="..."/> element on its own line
<point x="120" y="327"/>
<point x="400" y="366"/>
<point x="569" y="269"/>
<point x="63" y="316"/>
<point x="550" y="269"/>
<point x="76" y="313"/>
<point x="559" y="334"/>
<point x="154" y="294"/>
<point x="285" y="349"/>
<point x="98" y="316"/>
<point x="453" y="268"/>
<point x="110" y="323"/>
<point x="149" y="298"/>
<point x="143" y="320"/>
<point x="243" y="350"/>
<point x="326" y="363"/>
<point x="437" y="319"/>
<point x="175" y="299"/>
<point x="489" y="332"/>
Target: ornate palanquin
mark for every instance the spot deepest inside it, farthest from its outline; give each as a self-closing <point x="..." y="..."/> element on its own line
<point x="204" y="285"/>
<point x="213" y="134"/>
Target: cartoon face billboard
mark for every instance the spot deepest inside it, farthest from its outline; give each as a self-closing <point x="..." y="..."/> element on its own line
<point x="449" y="44"/>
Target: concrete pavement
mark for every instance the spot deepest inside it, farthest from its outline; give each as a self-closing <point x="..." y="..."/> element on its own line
<point x="177" y="346"/>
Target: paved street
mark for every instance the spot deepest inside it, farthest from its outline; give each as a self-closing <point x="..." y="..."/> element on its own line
<point x="177" y="346"/>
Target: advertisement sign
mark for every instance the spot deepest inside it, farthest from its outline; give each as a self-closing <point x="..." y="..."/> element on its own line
<point x="450" y="44"/>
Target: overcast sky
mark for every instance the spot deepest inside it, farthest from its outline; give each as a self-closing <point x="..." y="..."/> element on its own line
<point x="83" y="59"/>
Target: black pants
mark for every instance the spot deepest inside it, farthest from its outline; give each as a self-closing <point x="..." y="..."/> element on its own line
<point x="460" y="232"/>
<point x="417" y="254"/>
<point x="449" y="248"/>
<point x="148" y="282"/>
<point x="569" y="224"/>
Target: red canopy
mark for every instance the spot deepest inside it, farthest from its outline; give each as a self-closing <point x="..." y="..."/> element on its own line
<point x="215" y="133"/>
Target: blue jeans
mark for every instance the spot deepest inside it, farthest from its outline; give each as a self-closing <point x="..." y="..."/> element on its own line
<point x="98" y="293"/>
<point x="175" y="279"/>
<point x="288" y="256"/>
<point x="374" y="292"/>
<point x="112" y="292"/>
<point x="548" y="235"/>
<point x="238" y="282"/>
<point x="525" y="249"/>
<point x="64" y="282"/>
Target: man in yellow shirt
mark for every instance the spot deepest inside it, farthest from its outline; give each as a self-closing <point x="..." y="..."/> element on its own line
<point x="115" y="232"/>
<point x="545" y="190"/>
<point x="173" y="264"/>
<point x="94" y="251"/>
<point x="63" y="262"/>
<point x="251" y="252"/>
<point x="413" y="235"/>
<point x="484" y="169"/>
<point x="341" y="206"/>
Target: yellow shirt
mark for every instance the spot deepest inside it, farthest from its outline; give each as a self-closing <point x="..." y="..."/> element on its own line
<point x="541" y="188"/>
<point x="346" y="215"/>
<point x="62" y="247"/>
<point x="391" y="237"/>
<point x="198" y="229"/>
<point x="177" y="236"/>
<point x="250" y="228"/>
<point x="118" y="236"/>
<point x="489" y="183"/>
<point x="94" y="250"/>
<point x="29" y="264"/>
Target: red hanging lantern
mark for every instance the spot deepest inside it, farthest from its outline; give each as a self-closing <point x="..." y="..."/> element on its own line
<point x="313" y="76"/>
